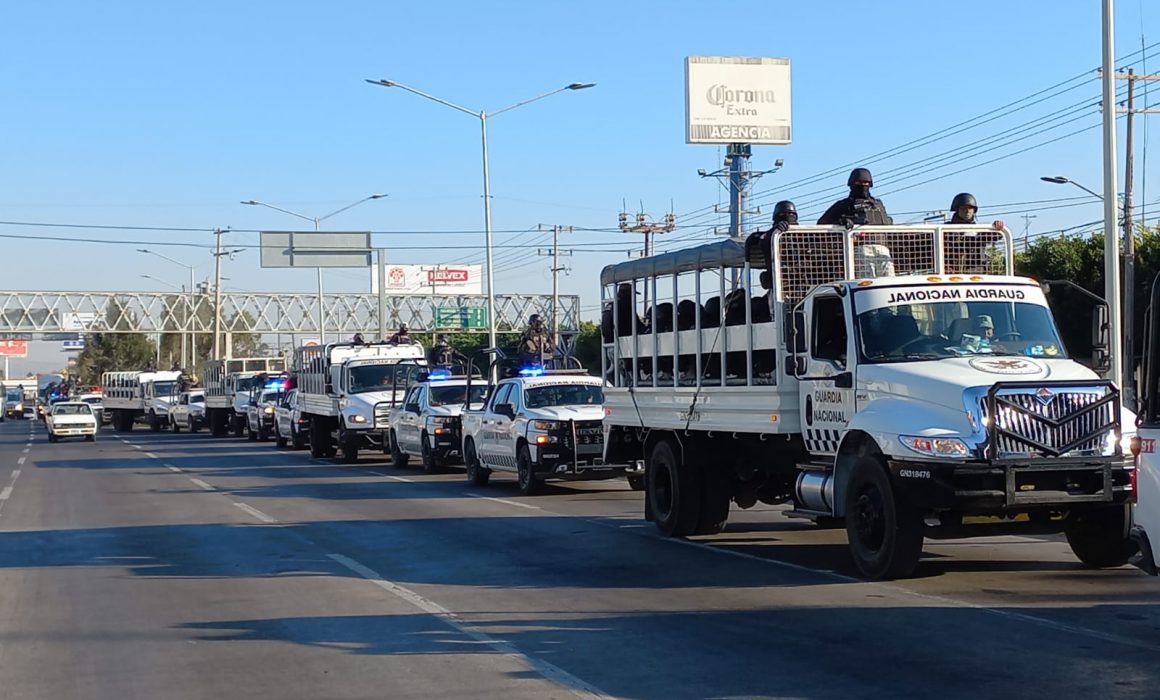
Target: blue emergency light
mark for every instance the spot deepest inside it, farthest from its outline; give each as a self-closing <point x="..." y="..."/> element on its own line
<point x="439" y="374"/>
<point x="531" y="371"/>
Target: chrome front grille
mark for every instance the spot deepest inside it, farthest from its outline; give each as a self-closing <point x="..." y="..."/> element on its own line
<point x="1045" y="423"/>
<point x="382" y="416"/>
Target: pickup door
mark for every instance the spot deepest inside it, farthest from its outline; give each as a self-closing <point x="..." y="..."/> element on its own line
<point x="285" y="413"/>
<point x="408" y="429"/>
<point x="497" y="443"/>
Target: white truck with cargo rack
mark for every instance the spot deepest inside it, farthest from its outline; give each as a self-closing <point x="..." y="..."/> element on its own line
<point x="899" y="378"/>
<point x="347" y="391"/>
<point x="130" y="396"/>
<point x="227" y="390"/>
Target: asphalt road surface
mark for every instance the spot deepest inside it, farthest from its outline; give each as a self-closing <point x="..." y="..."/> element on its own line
<point x="154" y="565"/>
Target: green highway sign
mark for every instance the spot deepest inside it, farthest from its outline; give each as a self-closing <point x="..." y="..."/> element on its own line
<point x="460" y="317"/>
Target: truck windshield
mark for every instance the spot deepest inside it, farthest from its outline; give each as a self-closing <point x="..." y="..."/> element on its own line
<point x="564" y="395"/>
<point x="162" y="388"/>
<point x="444" y="395"/>
<point x="15" y="396"/>
<point x="244" y="383"/>
<point x="377" y="377"/>
<point x="931" y="331"/>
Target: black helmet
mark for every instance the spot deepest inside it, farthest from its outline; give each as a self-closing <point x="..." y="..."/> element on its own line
<point x="534" y="319"/>
<point x="964" y="199"/>
<point x="859" y="175"/>
<point x="402" y="328"/>
<point x="785" y="211"/>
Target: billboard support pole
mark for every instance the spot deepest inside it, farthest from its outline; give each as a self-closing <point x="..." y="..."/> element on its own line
<point x="738" y="156"/>
<point x="381" y="264"/>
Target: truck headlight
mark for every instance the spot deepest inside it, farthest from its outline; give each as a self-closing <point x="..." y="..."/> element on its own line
<point x="269" y="410"/>
<point x="357" y="418"/>
<point x="936" y="447"/>
<point x="546" y="439"/>
<point x="547" y="425"/>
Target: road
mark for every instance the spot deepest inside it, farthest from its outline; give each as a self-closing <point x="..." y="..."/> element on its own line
<point x="154" y="565"/>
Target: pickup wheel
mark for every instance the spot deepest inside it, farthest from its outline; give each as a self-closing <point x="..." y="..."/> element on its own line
<point x="477" y="474"/>
<point x="525" y="472"/>
<point x="297" y="442"/>
<point x="673" y="491"/>
<point x="90" y="438"/>
<point x="636" y="482"/>
<point x="279" y="440"/>
<point x="1099" y="537"/>
<point x="885" y="534"/>
<point x="399" y="458"/>
<point x="53" y="438"/>
<point x="191" y="424"/>
<point x="431" y="463"/>
<point x="251" y="434"/>
<point x="263" y="433"/>
<point x="173" y="425"/>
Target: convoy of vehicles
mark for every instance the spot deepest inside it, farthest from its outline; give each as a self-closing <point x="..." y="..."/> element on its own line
<point x="899" y="379"/>
<point x="347" y="392"/>
<point x="71" y="419"/>
<point x="134" y="396"/>
<point x="187" y="410"/>
<point x="227" y="385"/>
<point x="426" y="423"/>
<point x="264" y="398"/>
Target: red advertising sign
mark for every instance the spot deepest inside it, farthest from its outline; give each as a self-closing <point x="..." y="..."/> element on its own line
<point x="13" y="348"/>
<point x="444" y="275"/>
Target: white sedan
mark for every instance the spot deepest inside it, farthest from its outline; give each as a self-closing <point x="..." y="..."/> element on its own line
<point x="71" y="419"/>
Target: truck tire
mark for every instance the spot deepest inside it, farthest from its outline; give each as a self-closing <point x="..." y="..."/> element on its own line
<point x="526" y="473"/>
<point x="318" y="439"/>
<point x="192" y="425"/>
<point x="715" y="498"/>
<point x="349" y="446"/>
<point x="279" y="440"/>
<point x="239" y="427"/>
<point x="1099" y="537"/>
<point x="154" y="422"/>
<point x="636" y="482"/>
<point x="477" y="474"/>
<point x="431" y="463"/>
<point x="399" y="458"/>
<point x="885" y="534"/>
<point x="217" y="424"/>
<point x="674" y="491"/>
<point x="250" y="434"/>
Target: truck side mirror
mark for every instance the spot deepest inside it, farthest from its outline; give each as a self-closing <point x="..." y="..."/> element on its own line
<point x="1101" y="361"/>
<point x="506" y="409"/>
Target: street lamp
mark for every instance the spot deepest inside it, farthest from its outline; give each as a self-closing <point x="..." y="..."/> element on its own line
<point x="317" y="220"/>
<point x="482" y="117"/>
<point x="189" y="304"/>
<point x="1061" y="180"/>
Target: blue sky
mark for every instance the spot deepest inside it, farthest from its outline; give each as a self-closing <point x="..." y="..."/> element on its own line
<point x="158" y="114"/>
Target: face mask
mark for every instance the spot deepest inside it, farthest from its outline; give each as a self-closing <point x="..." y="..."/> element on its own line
<point x="860" y="191"/>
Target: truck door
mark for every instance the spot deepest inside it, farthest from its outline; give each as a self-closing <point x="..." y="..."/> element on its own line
<point x="494" y="425"/>
<point x="408" y="431"/>
<point x="826" y="389"/>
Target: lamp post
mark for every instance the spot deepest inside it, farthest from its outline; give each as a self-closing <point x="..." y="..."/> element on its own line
<point x="189" y="304"/>
<point x="317" y="221"/>
<point x="483" y="116"/>
<point x="1126" y="374"/>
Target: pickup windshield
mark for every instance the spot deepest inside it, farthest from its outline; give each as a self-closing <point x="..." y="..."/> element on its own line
<point x="197" y="398"/>
<point x="563" y="395"/>
<point x="72" y="409"/>
<point x="444" y="395"/>
<point x="377" y="377"/>
<point x="931" y="331"/>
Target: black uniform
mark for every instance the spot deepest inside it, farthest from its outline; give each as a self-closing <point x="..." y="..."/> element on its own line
<point x="859" y="209"/>
<point x="757" y="246"/>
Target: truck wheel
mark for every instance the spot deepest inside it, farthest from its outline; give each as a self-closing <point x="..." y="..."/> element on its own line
<point x="525" y="473"/>
<point x="477" y="474"/>
<point x="278" y="439"/>
<point x="192" y="425"/>
<point x="250" y="434"/>
<point x="349" y="447"/>
<point x="154" y="422"/>
<point x="399" y="458"/>
<point x="239" y="427"/>
<point x="297" y="442"/>
<point x="673" y="491"/>
<point x="715" y="499"/>
<point x="636" y="482"/>
<point x="885" y="535"/>
<point x="1099" y="537"/>
<point x="173" y="425"/>
<point x="431" y="463"/>
<point x="217" y="424"/>
<point x="319" y="439"/>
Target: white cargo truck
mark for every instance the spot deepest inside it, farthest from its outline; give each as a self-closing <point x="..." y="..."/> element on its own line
<point x="899" y="379"/>
<point x="347" y="391"/>
<point x="227" y="385"/>
<point x="130" y="396"/>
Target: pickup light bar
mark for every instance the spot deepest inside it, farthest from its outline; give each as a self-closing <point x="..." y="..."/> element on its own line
<point x="531" y="371"/>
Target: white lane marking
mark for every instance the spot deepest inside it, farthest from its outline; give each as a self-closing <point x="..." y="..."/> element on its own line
<point x="136" y="447"/>
<point x="21" y="460"/>
<point x="202" y="484"/>
<point x="173" y="468"/>
<point x="150" y="454"/>
<point x="26" y="450"/>
<point x="548" y="670"/>
<point x="255" y="512"/>
<point x="403" y="479"/>
<point x="378" y="473"/>
<point x="126" y="441"/>
<point x="505" y="501"/>
<point x="5" y="493"/>
<point x="16" y="473"/>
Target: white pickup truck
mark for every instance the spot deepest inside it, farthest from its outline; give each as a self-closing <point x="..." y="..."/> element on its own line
<point x="288" y="421"/>
<point x="543" y="424"/>
<point x="348" y="390"/>
<point x="71" y="419"/>
<point x="427" y="424"/>
<point x="187" y="411"/>
<point x="260" y="411"/>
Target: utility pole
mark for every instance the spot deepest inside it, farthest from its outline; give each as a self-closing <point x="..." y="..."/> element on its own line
<point x="1128" y="381"/>
<point x="217" y="295"/>
<point x="1026" y="228"/>
<point x="556" y="268"/>
<point x="1111" y="235"/>
<point x="740" y="179"/>
<point x="649" y="227"/>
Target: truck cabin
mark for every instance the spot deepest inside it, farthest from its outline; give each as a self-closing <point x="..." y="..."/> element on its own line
<point x="719" y="314"/>
<point x="340" y="368"/>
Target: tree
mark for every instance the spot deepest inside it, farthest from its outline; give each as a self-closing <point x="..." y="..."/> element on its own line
<point x="110" y="352"/>
<point x="588" y="346"/>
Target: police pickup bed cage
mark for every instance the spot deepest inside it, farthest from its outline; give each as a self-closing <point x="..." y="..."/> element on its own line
<point x="881" y="376"/>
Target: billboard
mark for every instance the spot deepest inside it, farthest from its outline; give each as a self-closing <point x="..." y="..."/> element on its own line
<point x="737" y="99"/>
<point x="430" y="279"/>
<point x="13" y="348"/>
